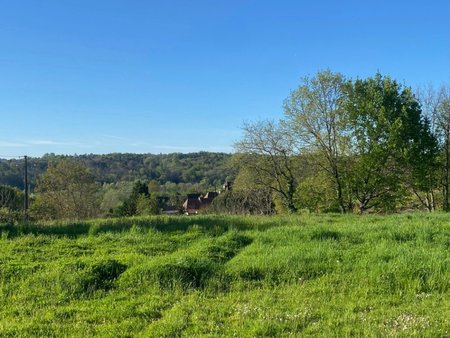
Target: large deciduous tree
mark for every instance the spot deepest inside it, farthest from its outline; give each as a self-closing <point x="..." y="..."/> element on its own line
<point x="267" y="150"/>
<point x="316" y="116"/>
<point x="66" y="191"/>
<point x="436" y="106"/>
<point x="392" y="144"/>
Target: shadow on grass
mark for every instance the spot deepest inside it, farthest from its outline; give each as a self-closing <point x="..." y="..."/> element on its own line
<point x="213" y="224"/>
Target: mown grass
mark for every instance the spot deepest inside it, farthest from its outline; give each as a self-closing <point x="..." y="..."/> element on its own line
<point x="213" y="276"/>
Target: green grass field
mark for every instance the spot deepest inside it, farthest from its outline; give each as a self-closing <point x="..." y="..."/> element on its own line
<point x="223" y="276"/>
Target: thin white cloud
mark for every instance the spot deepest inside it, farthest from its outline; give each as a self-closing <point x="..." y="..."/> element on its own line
<point x="12" y="144"/>
<point x="42" y="142"/>
<point x="114" y="137"/>
<point x="52" y="143"/>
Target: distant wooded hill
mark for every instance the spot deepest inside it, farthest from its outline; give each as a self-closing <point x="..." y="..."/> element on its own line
<point x="176" y="168"/>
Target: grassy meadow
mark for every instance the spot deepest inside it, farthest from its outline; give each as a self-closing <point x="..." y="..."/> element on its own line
<point x="226" y="276"/>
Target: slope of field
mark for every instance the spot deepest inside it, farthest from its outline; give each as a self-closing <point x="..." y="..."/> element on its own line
<point x="215" y="276"/>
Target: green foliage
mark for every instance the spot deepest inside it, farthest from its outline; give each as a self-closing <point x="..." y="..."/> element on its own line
<point x="183" y="169"/>
<point x="11" y="198"/>
<point x="267" y="150"/>
<point x="140" y="202"/>
<point x="316" y="116"/>
<point x="316" y="194"/>
<point x="390" y="138"/>
<point x="11" y="204"/>
<point x="10" y="216"/>
<point x="66" y="191"/>
<point x="244" y="202"/>
<point x="358" y="145"/>
<point x="114" y="195"/>
<point x="148" y="205"/>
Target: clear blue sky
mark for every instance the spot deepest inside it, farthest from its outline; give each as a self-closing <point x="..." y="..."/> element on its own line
<point x="101" y="76"/>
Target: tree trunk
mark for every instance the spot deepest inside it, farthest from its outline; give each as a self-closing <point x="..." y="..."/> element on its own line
<point x="290" y="201"/>
<point x="339" y="194"/>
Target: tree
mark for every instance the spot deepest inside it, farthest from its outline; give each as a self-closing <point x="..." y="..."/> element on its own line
<point x="11" y="198"/>
<point x="421" y="166"/>
<point x="315" y="113"/>
<point x="153" y="186"/>
<point x="66" y="191"/>
<point x="443" y="121"/>
<point x="147" y="204"/>
<point x="316" y="193"/>
<point x="267" y="150"/>
<point x="436" y="106"/>
<point x="114" y="195"/>
<point x="11" y="204"/>
<point x="244" y="202"/>
<point x="129" y="206"/>
<point x="141" y="201"/>
<point x="391" y="141"/>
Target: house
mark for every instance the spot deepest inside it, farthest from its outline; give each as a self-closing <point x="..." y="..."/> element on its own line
<point x="209" y="197"/>
<point x="196" y="202"/>
<point x="192" y="204"/>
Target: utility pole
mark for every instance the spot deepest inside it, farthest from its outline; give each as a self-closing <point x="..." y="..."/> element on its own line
<point x="25" y="196"/>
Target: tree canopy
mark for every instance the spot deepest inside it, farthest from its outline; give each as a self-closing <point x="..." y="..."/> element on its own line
<point x="66" y="190"/>
<point x="366" y="139"/>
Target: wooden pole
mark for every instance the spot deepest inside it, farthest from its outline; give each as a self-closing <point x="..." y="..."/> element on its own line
<point x="25" y="179"/>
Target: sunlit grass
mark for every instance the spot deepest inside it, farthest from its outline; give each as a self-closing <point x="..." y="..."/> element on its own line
<point x="299" y="275"/>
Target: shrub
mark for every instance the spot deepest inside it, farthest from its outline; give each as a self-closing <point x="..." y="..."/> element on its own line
<point x="247" y="202"/>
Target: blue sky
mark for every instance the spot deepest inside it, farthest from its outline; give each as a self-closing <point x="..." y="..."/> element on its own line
<point x="135" y="76"/>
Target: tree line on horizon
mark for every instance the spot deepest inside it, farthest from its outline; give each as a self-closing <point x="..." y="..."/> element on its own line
<point x="342" y="145"/>
<point x="86" y="186"/>
<point x="177" y="168"/>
